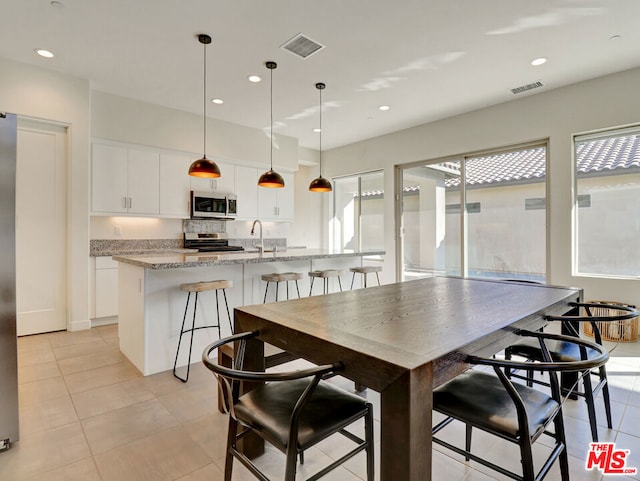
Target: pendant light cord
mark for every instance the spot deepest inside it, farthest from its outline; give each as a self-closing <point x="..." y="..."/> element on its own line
<point x="204" y="104"/>
<point x="320" y="90"/>
<point x="271" y="131"/>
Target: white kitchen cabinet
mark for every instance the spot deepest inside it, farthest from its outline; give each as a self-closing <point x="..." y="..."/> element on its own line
<point x="225" y="184"/>
<point x="124" y="180"/>
<point x="175" y="184"/>
<point x="143" y="181"/>
<point x="247" y="190"/>
<point x="106" y="287"/>
<point x="109" y="178"/>
<point x="277" y="204"/>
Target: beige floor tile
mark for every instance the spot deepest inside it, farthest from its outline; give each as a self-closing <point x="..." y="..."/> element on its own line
<point x="103" y="376"/>
<point x="47" y="414"/>
<point x="44" y="451"/>
<point x="84" y="349"/>
<point x="37" y="372"/>
<point x="191" y="403"/>
<point x="116" y="428"/>
<point x="107" y="357"/>
<point x="163" y="456"/>
<point x="109" y="398"/>
<point x="36" y="356"/>
<point x="210" y="432"/>
<point x="211" y="472"/>
<point x="84" y="470"/>
<point x="38" y="391"/>
<point x="30" y="343"/>
<point x="68" y="338"/>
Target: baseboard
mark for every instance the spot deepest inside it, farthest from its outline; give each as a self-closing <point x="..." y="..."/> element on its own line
<point x="104" y="321"/>
<point x="79" y="325"/>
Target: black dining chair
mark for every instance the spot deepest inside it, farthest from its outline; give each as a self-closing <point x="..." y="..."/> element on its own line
<point x="568" y="352"/>
<point x="292" y="411"/>
<point x="493" y="403"/>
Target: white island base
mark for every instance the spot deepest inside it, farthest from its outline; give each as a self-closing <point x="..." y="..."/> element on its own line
<point x="151" y="304"/>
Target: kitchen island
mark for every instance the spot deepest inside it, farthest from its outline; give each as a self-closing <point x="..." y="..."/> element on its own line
<point x="151" y="304"/>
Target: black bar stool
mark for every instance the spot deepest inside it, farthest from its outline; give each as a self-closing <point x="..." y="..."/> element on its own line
<point x="364" y="270"/>
<point x="196" y="287"/>
<point x="325" y="275"/>
<point x="279" y="277"/>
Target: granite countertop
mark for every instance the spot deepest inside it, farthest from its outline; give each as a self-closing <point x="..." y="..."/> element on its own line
<point x="173" y="260"/>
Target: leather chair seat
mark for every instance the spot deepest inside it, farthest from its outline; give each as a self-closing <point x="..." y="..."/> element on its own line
<point x="480" y="399"/>
<point x="559" y="350"/>
<point x="268" y="409"/>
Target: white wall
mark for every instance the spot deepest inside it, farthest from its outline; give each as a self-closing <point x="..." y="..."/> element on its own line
<point x="309" y="230"/>
<point x="34" y="92"/>
<point x="126" y="120"/>
<point x="557" y="114"/>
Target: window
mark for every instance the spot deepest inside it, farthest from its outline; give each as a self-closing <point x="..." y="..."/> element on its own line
<point x="607" y="210"/>
<point x="500" y="233"/>
<point x="358" y="219"/>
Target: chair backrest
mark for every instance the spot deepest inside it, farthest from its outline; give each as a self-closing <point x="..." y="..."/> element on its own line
<point x="626" y="313"/>
<point x="229" y="379"/>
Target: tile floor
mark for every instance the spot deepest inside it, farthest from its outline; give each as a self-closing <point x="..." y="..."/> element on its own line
<point x="87" y="414"/>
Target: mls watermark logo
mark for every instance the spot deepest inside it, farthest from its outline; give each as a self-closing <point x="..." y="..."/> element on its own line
<point x="608" y="459"/>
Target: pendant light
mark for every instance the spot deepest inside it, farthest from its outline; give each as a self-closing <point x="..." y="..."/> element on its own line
<point x="320" y="184"/>
<point x="204" y="167"/>
<point x="271" y="178"/>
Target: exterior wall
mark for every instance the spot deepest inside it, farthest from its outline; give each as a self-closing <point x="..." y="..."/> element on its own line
<point x="556" y="115"/>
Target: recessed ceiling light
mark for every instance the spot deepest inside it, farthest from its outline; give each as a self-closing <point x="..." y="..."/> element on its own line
<point x="217" y="101"/>
<point x="317" y="130"/>
<point x="538" y="61"/>
<point x="383" y="107"/>
<point x="254" y="78"/>
<point x="44" y="53"/>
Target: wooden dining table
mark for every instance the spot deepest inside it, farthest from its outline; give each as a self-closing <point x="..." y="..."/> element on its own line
<point x="403" y="340"/>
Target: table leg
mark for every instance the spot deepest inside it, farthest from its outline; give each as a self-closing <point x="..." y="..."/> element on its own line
<point x="406" y="427"/>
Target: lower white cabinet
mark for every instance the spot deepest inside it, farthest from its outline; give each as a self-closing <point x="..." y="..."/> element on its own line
<point x="106" y="290"/>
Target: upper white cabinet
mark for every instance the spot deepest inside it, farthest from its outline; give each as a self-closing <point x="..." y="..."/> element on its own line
<point x="124" y="180"/>
<point x="174" y="184"/>
<point x="247" y="191"/>
<point x="277" y="204"/>
<point x="224" y="184"/>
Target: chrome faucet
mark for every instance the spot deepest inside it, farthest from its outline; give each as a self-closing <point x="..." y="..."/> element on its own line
<point x="253" y="228"/>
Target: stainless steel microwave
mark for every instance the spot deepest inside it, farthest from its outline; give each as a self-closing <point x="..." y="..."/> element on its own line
<point x="211" y="205"/>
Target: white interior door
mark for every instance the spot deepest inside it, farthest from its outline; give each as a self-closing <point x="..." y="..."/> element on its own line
<point x="41" y="225"/>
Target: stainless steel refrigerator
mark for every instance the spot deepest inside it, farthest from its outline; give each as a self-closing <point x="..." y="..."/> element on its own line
<point x="9" y="428"/>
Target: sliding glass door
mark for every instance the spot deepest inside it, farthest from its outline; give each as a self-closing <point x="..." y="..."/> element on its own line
<point x="477" y="215"/>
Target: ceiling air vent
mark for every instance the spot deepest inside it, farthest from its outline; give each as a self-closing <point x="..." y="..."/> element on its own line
<point x="302" y="46"/>
<point x="524" y="88"/>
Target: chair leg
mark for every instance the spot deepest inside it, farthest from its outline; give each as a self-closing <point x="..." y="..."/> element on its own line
<point x="605" y="396"/>
<point x="218" y="315"/>
<point x="353" y="278"/>
<point x="184" y="318"/>
<point x="311" y="287"/>
<point x="277" y="287"/>
<point x="298" y="289"/>
<point x="368" y="435"/>
<point x="290" y="464"/>
<point x="224" y="293"/>
<point x="467" y="440"/>
<point x="563" y="457"/>
<point x="378" y="277"/>
<point x="340" y="283"/>
<point x="231" y="444"/>
<point x="528" y="470"/>
<point x="365" y="279"/>
<point x="591" y="405"/>
<point x="193" y="324"/>
<point x="264" y="301"/>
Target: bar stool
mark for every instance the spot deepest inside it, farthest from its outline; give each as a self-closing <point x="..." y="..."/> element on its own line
<point x="279" y="277"/>
<point x="364" y="270"/>
<point x="196" y="287"/>
<point x="325" y="275"/>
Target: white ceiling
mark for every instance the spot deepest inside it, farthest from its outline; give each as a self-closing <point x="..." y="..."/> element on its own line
<point x="426" y="59"/>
